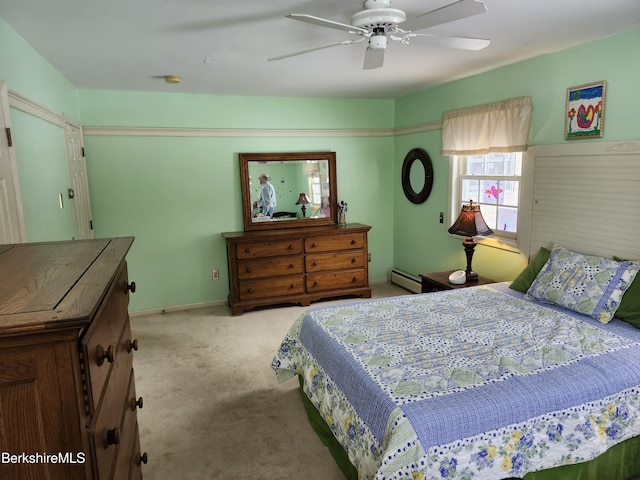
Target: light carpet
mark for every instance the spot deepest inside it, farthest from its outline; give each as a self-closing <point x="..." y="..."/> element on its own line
<point x="212" y="406"/>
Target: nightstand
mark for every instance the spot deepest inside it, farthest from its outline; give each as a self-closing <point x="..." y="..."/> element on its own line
<point x="437" y="281"/>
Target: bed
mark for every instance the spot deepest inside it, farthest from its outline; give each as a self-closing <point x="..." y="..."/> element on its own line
<point x="538" y="378"/>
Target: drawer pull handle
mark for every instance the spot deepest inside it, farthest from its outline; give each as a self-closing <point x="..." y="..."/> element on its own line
<point x="315" y="264"/>
<point x="292" y="265"/>
<point x="143" y="459"/>
<point x="290" y="247"/>
<point x="314" y="245"/>
<point x="247" y="270"/>
<point x="354" y="260"/>
<point x="112" y="437"/>
<point x="130" y="287"/>
<point x="136" y="403"/>
<point x="354" y="241"/>
<point x="354" y="279"/>
<point x="247" y="250"/>
<point x="315" y="284"/>
<point x="109" y="354"/>
<point x="250" y="290"/>
<point x="132" y="345"/>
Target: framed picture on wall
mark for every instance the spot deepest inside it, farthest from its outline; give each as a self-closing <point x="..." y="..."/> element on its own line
<point x="584" y="115"/>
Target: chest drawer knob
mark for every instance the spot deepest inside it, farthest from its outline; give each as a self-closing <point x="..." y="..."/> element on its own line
<point x="354" y="279"/>
<point x="112" y="437"/>
<point x="354" y="260"/>
<point x="314" y="245"/>
<point x="290" y="247"/>
<point x="107" y="354"/>
<point x="130" y="287"/>
<point x="247" y="250"/>
<point x="132" y="345"/>
<point x="354" y="241"/>
<point x="292" y="265"/>
<point x="250" y="290"/>
<point x="143" y="459"/>
<point x="315" y="264"/>
<point x="136" y="403"/>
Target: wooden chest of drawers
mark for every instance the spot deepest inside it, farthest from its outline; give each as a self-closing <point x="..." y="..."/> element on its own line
<point x="298" y="265"/>
<point x="67" y="393"/>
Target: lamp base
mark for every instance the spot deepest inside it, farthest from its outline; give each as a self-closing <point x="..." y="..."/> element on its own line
<point x="471" y="276"/>
<point x="469" y="245"/>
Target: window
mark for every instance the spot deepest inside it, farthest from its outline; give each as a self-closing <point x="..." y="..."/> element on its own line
<point x="494" y="181"/>
<point x="314" y="188"/>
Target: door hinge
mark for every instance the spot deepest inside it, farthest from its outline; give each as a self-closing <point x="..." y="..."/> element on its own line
<point x="90" y="224"/>
<point x="9" y="139"/>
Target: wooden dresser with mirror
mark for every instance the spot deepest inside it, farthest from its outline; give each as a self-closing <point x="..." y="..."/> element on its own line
<point x="300" y="256"/>
<point x="67" y="392"/>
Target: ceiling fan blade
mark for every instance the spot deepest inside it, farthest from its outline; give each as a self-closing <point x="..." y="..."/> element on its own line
<point x="463" y="43"/>
<point x="323" y="22"/>
<point x="302" y="52"/>
<point x="449" y="13"/>
<point x="373" y="58"/>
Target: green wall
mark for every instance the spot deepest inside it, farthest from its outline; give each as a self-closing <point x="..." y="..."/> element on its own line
<point x="176" y="193"/>
<point x="420" y="242"/>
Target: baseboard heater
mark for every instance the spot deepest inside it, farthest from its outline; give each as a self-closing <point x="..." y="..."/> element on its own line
<point x="405" y="280"/>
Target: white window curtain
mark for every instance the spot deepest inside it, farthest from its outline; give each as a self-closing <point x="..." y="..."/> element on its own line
<point x="494" y="127"/>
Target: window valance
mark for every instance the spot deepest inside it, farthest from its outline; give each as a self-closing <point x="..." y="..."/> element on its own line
<point x="494" y="127"/>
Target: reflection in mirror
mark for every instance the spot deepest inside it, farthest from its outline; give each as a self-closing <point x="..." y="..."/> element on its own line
<point x="288" y="189"/>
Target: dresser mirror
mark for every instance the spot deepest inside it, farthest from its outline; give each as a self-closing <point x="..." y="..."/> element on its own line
<point x="302" y="184"/>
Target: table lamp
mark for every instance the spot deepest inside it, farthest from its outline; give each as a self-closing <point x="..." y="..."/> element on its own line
<point x="304" y="201"/>
<point x="470" y="223"/>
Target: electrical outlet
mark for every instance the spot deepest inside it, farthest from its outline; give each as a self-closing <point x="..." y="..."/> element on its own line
<point x="215" y="275"/>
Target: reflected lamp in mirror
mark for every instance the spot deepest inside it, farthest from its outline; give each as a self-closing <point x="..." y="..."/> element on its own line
<point x="469" y="224"/>
<point x="304" y="201"/>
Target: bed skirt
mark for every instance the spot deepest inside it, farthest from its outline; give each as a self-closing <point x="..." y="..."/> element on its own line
<point x="620" y="462"/>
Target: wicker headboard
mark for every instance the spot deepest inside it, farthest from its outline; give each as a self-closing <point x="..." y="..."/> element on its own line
<point x="586" y="197"/>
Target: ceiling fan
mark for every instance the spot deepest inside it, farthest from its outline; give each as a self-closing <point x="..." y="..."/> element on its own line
<point x="378" y="23"/>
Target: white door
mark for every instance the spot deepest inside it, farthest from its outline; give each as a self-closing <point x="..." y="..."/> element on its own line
<point x="79" y="191"/>
<point x="12" y="228"/>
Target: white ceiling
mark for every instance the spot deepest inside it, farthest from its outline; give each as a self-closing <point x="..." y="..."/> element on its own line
<point x="221" y="47"/>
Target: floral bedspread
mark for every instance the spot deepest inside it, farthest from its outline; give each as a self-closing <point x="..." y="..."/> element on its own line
<point x="477" y="383"/>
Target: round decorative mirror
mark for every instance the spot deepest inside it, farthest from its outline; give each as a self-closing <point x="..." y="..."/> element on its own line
<point x="417" y="178"/>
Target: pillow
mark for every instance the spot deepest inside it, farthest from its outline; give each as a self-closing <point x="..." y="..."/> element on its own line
<point x="529" y="274"/>
<point x="586" y="284"/>
<point x="629" y="309"/>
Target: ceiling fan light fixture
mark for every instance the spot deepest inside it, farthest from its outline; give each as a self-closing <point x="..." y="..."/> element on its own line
<point x="378" y="42"/>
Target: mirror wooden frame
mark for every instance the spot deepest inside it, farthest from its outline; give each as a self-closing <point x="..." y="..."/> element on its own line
<point x="245" y="186"/>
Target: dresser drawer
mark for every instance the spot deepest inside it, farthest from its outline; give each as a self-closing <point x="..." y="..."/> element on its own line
<point x="100" y="344"/>
<point x="332" y="281"/>
<point x="269" y="248"/>
<point x="128" y="460"/>
<point x="108" y="430"/>
<point x="334" y="261"/>
<point x="272" y="287"/>
<point x="331" y="243"/>
<point x="270" y="267"/>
